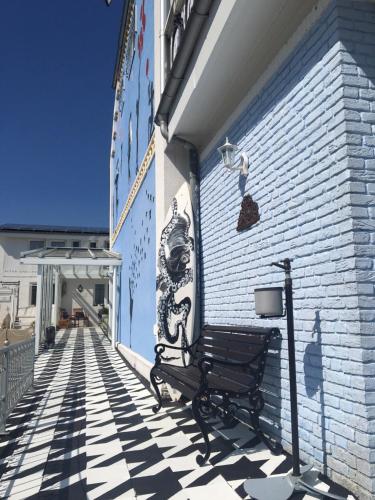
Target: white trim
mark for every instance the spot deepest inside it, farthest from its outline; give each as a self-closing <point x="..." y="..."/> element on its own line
<point x="136" y="361"/>
<point x="114" y="309"/>
<point x="282" y="55"/>
<point x="38" y="309"/>
<point x="62" y="261"/>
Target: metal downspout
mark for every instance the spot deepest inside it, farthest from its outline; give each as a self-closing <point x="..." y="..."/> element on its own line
<point x="198" y="16"/>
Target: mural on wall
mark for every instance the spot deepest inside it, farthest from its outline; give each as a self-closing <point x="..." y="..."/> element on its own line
<point x="175" y="282"/>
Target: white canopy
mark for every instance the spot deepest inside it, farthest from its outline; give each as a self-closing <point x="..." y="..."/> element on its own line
<point x="54" y="262"/>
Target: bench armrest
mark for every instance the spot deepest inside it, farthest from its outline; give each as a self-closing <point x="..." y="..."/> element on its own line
<point x="160" y="348"/>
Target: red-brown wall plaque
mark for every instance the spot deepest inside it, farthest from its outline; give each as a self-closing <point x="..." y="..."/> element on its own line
<point x="249" y="214"/>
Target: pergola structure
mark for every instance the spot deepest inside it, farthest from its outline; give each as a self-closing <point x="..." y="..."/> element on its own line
<point x="53" y="264"/>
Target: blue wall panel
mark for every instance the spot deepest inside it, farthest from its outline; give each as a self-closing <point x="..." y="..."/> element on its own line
<point x="136" y="239"/>
<point x="136" y="242"/>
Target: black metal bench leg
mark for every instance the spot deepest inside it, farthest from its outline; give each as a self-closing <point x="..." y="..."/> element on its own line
<point x="274" y="447"/>
<point x="201" y="459"/>
<point x="155" y="385"/>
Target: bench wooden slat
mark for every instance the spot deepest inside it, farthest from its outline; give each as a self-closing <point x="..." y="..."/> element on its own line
<point x="253" y="330"/>
<point x="226" y="354"/>
<point x="232" y="336"/>
<point x="237" y="341"/>
<point x="190" y="377"/>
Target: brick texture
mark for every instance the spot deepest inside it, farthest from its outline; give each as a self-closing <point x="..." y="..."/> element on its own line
<point x="310" y="136"/>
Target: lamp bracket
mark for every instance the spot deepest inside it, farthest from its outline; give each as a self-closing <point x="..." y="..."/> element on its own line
<point x="243" y="167"/>
<point x="284" y="264"/>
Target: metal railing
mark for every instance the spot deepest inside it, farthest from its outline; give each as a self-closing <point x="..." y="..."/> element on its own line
<point x="177" y="18"/>
<point x="16" y="376"/>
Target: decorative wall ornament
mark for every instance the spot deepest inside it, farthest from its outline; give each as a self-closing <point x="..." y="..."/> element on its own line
<point x="143" y="169"/>
<point x="249" y="214"/>
<point x="175" y="250"/>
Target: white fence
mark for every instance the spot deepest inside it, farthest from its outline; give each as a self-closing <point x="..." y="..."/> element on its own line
<point x="16" y="376"/>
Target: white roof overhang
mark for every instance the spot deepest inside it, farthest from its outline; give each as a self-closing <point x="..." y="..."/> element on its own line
<point x="63" y="256"/>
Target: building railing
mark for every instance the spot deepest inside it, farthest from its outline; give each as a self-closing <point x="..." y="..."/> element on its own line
<point x="16" y="376"/>
<point x="177" y="19"/>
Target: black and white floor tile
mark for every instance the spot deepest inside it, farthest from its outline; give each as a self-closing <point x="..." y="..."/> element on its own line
<point x="88" y="431"/>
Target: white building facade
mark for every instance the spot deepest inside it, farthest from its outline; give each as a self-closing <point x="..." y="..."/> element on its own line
<point x="18" y="282"/>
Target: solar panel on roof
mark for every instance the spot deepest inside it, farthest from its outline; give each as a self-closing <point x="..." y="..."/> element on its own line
<point x="53" y="229"/>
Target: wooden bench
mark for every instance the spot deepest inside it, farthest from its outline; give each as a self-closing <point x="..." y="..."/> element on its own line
<point x="226" y="367"/>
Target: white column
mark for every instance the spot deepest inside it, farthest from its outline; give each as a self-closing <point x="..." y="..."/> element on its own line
<point x="50" y="294"/>
<point x="110" y="301"/>
<point x="38" y="311"/>
<point x="114" y="308"/>
<point x="56" y="315"/>
<point x="46" y="297"/>
<point x="12" y="301"/>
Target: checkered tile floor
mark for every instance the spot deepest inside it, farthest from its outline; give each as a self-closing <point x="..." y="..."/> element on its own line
<point x="88" y="431"/>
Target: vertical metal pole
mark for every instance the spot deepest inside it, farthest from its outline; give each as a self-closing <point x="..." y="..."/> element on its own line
<point x="292" y="366"/>
<point x="114" y="308"/>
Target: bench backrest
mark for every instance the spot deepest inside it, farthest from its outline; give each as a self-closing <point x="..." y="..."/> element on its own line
<point x="236" y="344"/>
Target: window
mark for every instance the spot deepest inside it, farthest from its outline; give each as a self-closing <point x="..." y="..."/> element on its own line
<point x="33" y="288"/>
<point x="57" y="243"/>
<point x="106" y="244"/>
<point x="92" y="244"/>
<point x="99" y="294"/>
<point x="34" y="244"/>
<point x="76" y="244"/>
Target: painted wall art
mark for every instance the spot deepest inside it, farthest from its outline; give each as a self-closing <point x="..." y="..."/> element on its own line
<point x="176" y="267"/>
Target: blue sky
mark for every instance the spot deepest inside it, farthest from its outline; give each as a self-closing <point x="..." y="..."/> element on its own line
<point x="56" y="104"/>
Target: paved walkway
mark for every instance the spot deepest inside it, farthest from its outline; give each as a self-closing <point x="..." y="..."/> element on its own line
<point x="88" y="431"/>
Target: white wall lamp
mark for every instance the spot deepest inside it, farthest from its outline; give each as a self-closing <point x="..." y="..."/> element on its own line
<point x="227" y="152"/>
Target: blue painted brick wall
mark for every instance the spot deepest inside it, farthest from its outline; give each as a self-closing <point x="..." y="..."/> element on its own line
<point x="310" y="137"/>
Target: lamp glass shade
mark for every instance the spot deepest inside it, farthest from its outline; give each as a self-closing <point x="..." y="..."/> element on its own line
<point x="269" y="301"/>
<point x="227" y="152"/>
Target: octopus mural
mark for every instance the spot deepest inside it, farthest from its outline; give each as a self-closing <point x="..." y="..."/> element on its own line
<point x="174" y="256"/>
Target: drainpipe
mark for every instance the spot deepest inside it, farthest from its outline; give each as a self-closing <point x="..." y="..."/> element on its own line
<point x="194" y="192"/>
<point x="197" y="18"/>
